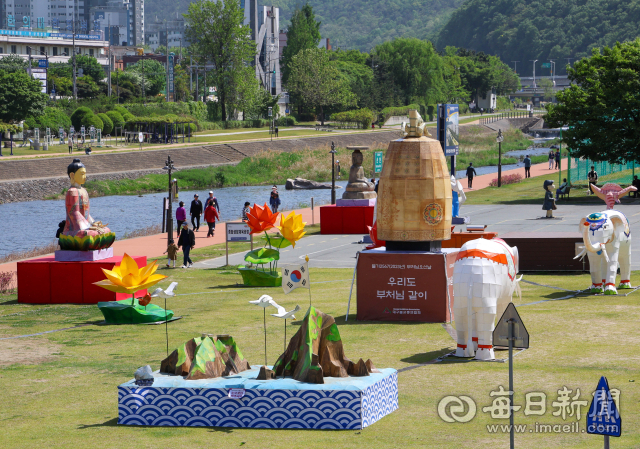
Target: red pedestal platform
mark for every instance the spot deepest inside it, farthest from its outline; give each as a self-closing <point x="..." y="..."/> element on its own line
<point x="405" y="286"/>
<point x="45" y="281"/>
<point x="345" y="219"/>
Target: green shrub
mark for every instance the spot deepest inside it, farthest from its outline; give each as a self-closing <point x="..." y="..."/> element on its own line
<point x="463" y="108"/>
<point x="400" y="110"/>
<point x="121" y="110"/>
<point x="116" y="118"/>
<point x="128" y="117"/>
<point x="288" y="120"/>
<point x="54" y="118"/>
<point x="108" y="124"/>
<point x="79" y="116"/>
<point x="363" y="117"/>
<point x="93" y="120"/>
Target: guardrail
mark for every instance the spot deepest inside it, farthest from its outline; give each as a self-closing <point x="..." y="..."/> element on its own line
<point x="510" y="114"/>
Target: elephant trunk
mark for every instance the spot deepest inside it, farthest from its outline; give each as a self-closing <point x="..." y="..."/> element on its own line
<point x="589" y="246"/>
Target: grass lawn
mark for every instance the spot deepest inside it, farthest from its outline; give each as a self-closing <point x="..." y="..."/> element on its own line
<point x="529" y="191"/>
<point x="59" y="389"/>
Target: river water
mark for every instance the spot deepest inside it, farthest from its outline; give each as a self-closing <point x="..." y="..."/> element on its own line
<point x="34" y="223"/>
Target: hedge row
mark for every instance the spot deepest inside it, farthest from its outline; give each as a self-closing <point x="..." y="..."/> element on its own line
<point x="363" y="117"/>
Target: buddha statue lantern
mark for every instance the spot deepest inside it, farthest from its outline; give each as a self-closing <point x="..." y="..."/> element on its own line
<point x="414" y="195"/>
<point x="81" y="232"/>
<point x="358" y="188"/>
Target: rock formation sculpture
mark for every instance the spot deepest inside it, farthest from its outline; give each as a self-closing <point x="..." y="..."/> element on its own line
<point x="316" y="351"/>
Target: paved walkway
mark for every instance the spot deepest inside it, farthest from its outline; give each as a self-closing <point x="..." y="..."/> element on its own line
<point x="155" y="245"/>
<point x="483" y="181"/>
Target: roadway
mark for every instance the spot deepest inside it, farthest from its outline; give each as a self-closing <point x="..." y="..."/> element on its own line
<point x="339" y="251"/>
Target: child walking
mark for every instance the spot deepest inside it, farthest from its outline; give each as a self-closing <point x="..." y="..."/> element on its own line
<point x="172" y="253"/>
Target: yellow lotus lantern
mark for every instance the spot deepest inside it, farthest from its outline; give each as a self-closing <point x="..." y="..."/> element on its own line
<point x="128" y="278"/>
<point x="292" y="227"/>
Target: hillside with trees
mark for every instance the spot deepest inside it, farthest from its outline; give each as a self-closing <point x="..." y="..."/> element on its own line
<point x="353" y="24"/>
<point x="524" y="30"/>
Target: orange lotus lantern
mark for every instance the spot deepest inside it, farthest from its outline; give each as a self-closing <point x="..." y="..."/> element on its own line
<point x="260" y="218"/>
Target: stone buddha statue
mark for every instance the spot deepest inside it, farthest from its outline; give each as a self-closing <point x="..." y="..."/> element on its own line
<point x="81" y="232"/>
<point x="358" y="187"/>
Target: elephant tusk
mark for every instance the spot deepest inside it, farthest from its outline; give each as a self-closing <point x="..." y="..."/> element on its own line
<point x="604" y="253"/>
<point x="582" y="253"/>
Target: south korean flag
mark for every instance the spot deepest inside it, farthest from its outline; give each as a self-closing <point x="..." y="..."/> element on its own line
<point x="294" y="276"/>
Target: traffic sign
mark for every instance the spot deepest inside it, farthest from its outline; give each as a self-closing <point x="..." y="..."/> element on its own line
<point x="377" y="161"/>
<point x="43" y="63"/>
<point x="501" y="332"/>
<point x="546" y="65"/>
<point x="603" y="417"/>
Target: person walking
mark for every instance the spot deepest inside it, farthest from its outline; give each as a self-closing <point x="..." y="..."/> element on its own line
<point x="187" y="241"/>
<point x="210" y="216"/>
<point x="592" y="176"/>
<point x="557" y="155"/>
<point x="70" y="144"/>
<point x="276" y="130"/>
<point x="527" y="166"/>
<point x="635" y="183"/>
<point x="274" y="199"/>
<point x="181" y="216"/>
<point x="196" y="212"/>
<point x="172" y="253"/>
<point x="214" y="202"/>
<point x="552" y="158"/>
<point x="471" y="172"/>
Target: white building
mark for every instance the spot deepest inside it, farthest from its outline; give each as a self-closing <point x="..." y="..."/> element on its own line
<point x="57" y="49"/>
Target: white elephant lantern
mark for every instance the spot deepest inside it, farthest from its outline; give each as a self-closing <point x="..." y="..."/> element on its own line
<point x="607" y="244"/>
<point x="484" y="280"/>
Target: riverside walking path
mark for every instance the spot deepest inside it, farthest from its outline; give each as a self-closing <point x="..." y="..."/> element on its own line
<point x="155" y="245"/>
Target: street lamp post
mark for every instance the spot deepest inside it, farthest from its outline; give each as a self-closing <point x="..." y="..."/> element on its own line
<point x="333" y="173"/>
<point x="535" y="86"/>
<point x="499" y="139"/>
<point x="169" y="167"/>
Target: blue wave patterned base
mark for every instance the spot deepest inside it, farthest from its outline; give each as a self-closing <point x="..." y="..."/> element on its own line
<point x="354" y="406"/>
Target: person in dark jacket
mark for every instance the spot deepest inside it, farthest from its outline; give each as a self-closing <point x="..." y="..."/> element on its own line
<point x="557" y="156"/>
<point x="186" y="241"/>
<point x="196" y="212"/>
<point x="527" y="166"/>
<point x="471" y="172"/>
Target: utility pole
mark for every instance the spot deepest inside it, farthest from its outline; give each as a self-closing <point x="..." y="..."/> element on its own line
<point x="204" y="91"/>
<point x="166" y="75"/>
<point x="75" y="90"/>
<point x="568" y="63"/>
<point x="535" y="86"/>
<point x="29" y="53"/>
<point x="190" y="73"/>
<point x="197" y="93"/>
<point x="110" y="66"/>
<point x="515" y="66"/>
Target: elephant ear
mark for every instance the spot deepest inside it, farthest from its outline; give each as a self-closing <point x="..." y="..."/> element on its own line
<point x="620" y="224"/>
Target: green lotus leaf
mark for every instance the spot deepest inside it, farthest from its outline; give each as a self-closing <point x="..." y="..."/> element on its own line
<point x="277" y="241"/>
<point x="262" y="256"/>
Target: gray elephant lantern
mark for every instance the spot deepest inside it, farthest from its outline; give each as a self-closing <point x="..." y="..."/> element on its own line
<point x="607" y="244"/>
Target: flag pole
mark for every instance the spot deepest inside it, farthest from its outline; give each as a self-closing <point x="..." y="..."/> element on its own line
<point x="306" y="258"/>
